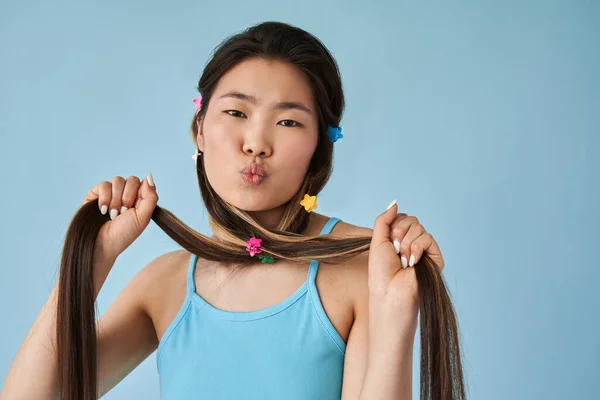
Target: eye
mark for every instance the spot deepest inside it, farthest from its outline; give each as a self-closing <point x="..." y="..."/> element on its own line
<point x="293" y="122"/>
<point x="234" y="111"/>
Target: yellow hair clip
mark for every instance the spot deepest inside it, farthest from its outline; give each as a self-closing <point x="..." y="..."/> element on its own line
<point x="309" y="202"/>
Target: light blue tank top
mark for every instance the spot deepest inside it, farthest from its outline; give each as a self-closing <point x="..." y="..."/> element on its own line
<point x="288" y="351"/>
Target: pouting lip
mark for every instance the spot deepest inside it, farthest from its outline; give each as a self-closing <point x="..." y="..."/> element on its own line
<point x="254" y="168"/>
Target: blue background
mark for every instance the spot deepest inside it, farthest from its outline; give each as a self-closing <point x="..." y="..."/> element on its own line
<point x="480" y="117"/>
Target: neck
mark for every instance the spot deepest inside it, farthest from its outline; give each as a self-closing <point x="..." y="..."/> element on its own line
<point x="268" y="218"/>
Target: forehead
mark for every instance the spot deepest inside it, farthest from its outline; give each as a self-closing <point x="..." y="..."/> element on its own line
<point x="268" y="80"/>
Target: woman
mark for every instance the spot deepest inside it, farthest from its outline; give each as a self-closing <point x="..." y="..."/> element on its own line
<point x="317" y="308"/>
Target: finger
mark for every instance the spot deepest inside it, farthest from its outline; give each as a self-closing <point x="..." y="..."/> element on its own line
<point x="414" y="231"/>
<point x="427" y="244"/>
<point x="383" y="261"/>
<point x="147" y="199"/>
<point x="102" y="192"/>
<point x="402" y="225"/>
<point x="399" y="217"/>
<point x="400" y="228"/>
<point x="118" y="185"/>
<point x="420" y="245"/>
<point x="132" y="185"/>
<point x="381" y="228"/>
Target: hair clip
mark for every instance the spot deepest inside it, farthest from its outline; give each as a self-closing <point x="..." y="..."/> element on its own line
<point x="334" y="133"/>
<point x="265" y="259"/>
<point x="309" y="202"/>
<point x="253" y="246"/>
<point x="198" y="102"/>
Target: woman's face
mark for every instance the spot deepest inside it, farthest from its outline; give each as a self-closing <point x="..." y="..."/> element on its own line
<point x="262" y="112"/>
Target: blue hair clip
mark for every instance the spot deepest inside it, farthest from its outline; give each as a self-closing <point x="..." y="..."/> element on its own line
<point x="334" y="133"/>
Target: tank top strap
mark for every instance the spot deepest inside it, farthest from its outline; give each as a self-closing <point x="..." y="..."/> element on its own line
<point x="329" y="225"/>
<point x="191" y="284"/>
<point x="314" y="265"/>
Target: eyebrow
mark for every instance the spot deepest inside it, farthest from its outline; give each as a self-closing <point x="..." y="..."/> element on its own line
<point x="284" y="105"/>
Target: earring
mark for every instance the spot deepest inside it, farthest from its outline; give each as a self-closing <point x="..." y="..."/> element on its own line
<point x="196" y="155"/>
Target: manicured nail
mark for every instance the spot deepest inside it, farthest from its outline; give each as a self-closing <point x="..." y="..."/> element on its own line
<point x="113" y="213"/>
<point x="404" y="262"/>
<point x="150" y="180"/>
<point x="391" y="204"/>
<point x="397" y="245"/>
<point x="123" y="209"/>
<point x="104" y="209"/>
<point x="412" y="260"/>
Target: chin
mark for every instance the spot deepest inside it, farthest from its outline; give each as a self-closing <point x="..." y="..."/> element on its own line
<point x="251" y="201"/>
<point x="253" y="198"/>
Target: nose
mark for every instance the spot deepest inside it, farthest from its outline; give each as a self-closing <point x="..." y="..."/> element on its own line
<point x="257" y="147"/>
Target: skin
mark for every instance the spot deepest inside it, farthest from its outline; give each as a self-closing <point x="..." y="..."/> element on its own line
<point x="360" y="296"/>
<point x="236" y="132"/>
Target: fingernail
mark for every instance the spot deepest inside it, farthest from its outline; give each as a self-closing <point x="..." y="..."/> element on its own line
<point x="397" y="245"/>
<point x="114" y="213"/>
<point x="412" y="260"/>
<point x="404" y="262"/>
<point x="150" y="180"/>
<point x="391" y="204"/>
<point x="123" y="209"/>
<point x="104" y="209"/>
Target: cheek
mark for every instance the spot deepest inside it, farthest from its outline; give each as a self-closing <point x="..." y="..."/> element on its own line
<point x="218" y="148"/>
<point x="299" y="150"/>
<point x="295" y="160"/>
<point x="220" y="139"/>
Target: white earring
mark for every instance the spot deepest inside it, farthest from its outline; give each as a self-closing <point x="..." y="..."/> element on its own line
<point x="195" y="156"/>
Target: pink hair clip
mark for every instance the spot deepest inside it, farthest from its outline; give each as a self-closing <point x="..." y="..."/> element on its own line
<point x="198" y="102"/>
<point x="253" y="246"/>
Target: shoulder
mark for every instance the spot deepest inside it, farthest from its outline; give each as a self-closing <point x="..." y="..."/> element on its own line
<point x="165" y="266"/>
<point x="163" y="276"/>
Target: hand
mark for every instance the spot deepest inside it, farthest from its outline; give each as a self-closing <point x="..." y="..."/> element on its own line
<point x="130" y="204"/>
<point x="388" y="277"/>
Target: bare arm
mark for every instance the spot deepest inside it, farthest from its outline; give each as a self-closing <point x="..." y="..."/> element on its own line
<point x="126" y="337"/>
<point x="34" y="371"/>
<point x="378" y="361"/>
<point x="390" y="355"/>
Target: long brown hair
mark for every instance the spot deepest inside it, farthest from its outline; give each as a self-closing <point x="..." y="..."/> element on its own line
<point x="441" y="368"/>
